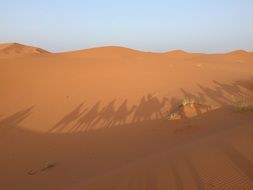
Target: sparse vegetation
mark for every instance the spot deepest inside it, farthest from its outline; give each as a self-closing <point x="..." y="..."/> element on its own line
<point x="188" y="101"/>
<point x="174" y="115"/>
<point x="243" y="104"/>
<point x="177" y="112"/>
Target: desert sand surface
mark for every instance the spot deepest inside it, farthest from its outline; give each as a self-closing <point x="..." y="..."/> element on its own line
<point x="98" y="119"/>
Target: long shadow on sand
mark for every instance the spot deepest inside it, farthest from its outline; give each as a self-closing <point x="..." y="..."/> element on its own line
<point x="136" y="147"/>
<point x="67" y="119"/>
<point x="149" y="108"/>
<point x="234" y="90"/>
<point x="15" y="119"/>
<point x="84" y="119"/>
<point x="143" y="134"/>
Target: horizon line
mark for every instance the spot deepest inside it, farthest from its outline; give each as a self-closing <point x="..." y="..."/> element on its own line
<point x="123" y="47"/>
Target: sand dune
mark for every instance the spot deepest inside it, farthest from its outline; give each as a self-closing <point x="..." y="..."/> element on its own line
<point x="11" y="50"/>
<point x="101" y="115"/>
<point x="105" y="51"/>
<point x="179" y="54"/>
<point x="239" y="53"/>
<point x="239" y="56"/>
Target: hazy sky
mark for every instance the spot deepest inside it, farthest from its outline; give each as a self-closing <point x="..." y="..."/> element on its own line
<point x="150" y="25"/>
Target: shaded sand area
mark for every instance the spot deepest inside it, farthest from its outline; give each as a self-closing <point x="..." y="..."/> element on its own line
<point x="98" y="119"/>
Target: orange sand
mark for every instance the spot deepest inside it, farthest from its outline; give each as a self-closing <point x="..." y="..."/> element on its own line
<point x="101" y="115"/>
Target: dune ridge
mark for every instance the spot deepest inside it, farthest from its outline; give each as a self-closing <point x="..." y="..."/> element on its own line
<point x="9" y="50"/>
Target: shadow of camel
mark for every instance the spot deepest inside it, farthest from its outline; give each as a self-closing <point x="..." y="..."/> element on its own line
<point x="86" y="118"/>
<point x="67" y="119"/>
<point x="15" y="119"/>
<point x="144" y="148"/>
<point x="105" y="116"/>
<point x="121" y="114"/>
<point x="149" y="108"/>
<point x="248" y="84"/>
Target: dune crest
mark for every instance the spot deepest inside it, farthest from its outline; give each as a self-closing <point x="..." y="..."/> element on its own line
<point x="177" y="52"/>
<point x="238" y="52"/>
<point x="10" y="50"/>
<point x="105" y="52"/>
<point x="182" y="54"/>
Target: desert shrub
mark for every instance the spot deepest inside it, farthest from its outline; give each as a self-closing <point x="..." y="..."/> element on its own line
<point x="187" y="101"/>
<point x="243" y="104"/>
<point x="178" y="111"/>
<point x="174" y="115"/>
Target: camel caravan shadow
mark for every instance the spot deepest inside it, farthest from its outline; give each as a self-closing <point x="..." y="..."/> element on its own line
<point x="16" y="119"/>
<point x="96" y="117"/>
<point x="150" y="109"/>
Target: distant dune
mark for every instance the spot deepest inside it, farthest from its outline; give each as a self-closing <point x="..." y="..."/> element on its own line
<point x="239" y="53"/>
<point x="182" y="54"/>
<point x="107" y="50"/>
<point x="114" y="118"/>
<point x="10" y="50"/>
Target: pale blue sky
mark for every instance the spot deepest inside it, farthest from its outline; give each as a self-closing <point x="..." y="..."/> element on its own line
<point x="149" y="25"/>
